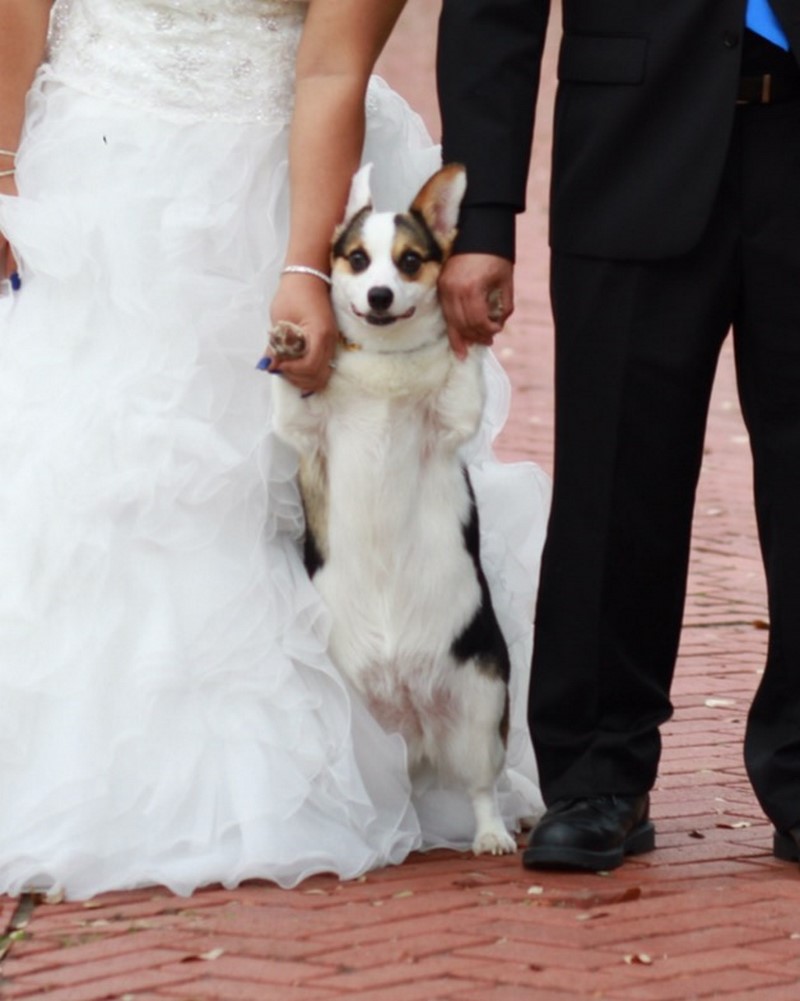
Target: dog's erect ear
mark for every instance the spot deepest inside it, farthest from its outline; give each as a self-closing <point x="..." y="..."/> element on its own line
<point x="439" y="200"/>
<point x="360" y="196"/>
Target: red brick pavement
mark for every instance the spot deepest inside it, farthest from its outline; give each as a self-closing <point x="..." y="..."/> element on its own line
<point x="709" y="914"/>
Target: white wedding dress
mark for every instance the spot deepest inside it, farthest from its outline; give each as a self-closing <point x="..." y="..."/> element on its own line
<point x="168" y="714"/>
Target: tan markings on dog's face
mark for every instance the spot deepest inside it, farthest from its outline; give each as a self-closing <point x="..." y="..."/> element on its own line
<point x="415" y="252"/>
<point x="385" y="267"/>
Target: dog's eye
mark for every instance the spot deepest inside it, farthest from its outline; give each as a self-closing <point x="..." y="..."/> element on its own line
<point x="358" y="261"/>
<point x="410" y="262"/>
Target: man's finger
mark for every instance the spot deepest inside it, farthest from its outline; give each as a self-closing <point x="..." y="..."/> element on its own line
<point x="457" y="342"/>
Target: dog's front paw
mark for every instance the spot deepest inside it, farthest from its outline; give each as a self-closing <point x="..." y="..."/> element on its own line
<point x="287" y="341"/>
<point x="494" y="840"/>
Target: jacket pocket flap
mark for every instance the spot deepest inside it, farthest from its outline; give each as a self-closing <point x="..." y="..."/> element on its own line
<point x="602" y="59"/>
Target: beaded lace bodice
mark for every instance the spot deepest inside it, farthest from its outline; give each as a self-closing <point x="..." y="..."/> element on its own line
<point x="223" y="59"/>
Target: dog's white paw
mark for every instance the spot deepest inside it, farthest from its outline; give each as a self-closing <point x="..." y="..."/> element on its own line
<point x="494" y="841"/>
<point x="287" y="341"/>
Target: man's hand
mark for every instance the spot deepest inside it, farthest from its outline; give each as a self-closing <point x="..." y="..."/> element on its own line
<point x="477" y="294"/>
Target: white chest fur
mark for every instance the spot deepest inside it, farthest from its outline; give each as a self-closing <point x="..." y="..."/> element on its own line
<point x="391" y="513"/>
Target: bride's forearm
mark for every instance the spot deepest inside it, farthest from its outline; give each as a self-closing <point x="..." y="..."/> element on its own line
<point x="325" y="150"/>
<point x="23" y="34"/>
<point x="341" y="42"/>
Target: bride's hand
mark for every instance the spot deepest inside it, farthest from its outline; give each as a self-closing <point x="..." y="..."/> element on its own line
<point x="8" y="262"/>
<point x="304" y="301"/>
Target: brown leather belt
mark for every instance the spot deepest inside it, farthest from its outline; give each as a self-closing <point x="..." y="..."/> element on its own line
<point x="767" y="89"/>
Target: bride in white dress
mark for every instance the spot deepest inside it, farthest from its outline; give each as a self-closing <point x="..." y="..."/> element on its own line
<point x="168" y="714"/>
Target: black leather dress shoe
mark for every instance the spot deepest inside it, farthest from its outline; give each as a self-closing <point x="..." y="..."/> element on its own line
<point x="786" y="845"/>
<point x="594" y="834"/>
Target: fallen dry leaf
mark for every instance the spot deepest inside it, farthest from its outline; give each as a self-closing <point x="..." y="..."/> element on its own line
<point x="209" y="956"/>
<point x="212" y="954"/>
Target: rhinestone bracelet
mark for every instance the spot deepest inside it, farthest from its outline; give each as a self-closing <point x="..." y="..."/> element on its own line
<point x="304" y="269"/>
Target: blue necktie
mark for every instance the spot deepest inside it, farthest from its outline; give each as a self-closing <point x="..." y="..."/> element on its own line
<point x="761" y="19"/>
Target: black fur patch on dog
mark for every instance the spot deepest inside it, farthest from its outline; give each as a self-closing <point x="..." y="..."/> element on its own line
<point x="312" y="557"/>
<point x="341" y="243"/>
<point x="482" y="639"/>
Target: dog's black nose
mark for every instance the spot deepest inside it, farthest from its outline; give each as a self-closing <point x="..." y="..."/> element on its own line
<point x="380" y="298"/>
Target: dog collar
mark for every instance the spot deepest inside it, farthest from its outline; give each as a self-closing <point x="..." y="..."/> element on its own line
<point x="347" y="345"/>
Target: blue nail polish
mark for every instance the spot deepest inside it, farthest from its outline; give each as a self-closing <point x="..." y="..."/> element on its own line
<point x="264" y="364"/>
<point x="16" y="281"/>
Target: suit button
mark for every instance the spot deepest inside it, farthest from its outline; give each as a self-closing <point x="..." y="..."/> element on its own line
<point x="730" y="39"/>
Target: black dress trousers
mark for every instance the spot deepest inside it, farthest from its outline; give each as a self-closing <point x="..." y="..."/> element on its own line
<point x="637" y="344"/>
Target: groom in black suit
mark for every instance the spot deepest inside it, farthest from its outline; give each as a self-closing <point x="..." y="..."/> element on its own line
<point x="675" y="214"/>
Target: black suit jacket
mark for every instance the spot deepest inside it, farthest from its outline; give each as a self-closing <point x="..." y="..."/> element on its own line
<point x="644" y="111"/>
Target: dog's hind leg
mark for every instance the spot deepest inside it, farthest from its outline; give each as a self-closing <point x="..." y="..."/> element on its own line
<point x="475" y="752"/>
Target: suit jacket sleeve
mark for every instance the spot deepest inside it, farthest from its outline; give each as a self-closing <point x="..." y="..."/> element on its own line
<point x="488" y="65"/>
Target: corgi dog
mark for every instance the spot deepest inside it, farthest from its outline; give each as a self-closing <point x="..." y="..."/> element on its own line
<point x="392" y="535"/>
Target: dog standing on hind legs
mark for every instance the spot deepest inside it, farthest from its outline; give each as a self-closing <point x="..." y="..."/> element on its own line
<point x="392" y="535"/>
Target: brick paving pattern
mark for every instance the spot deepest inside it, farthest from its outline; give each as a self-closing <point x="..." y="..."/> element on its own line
<point x="709" y="914"/>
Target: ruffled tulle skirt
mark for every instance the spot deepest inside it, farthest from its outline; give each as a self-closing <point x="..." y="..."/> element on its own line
<point x="168" y="713"/>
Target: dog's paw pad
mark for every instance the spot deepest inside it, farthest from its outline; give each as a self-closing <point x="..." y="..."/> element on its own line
<point x="287" y="341"/>
<point x="494" y="842"/>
